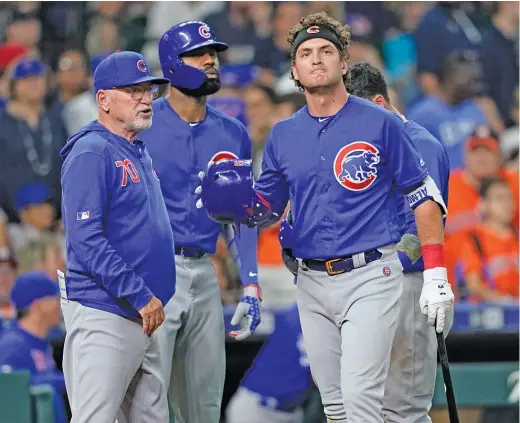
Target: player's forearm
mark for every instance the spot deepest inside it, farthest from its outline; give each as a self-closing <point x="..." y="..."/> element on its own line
<point x="428" y="217"/>
<point x="243" y="249"/>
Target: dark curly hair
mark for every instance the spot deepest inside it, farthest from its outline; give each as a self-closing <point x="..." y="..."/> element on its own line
<point x="321" y="18"/>
<point x="366" y="81"/>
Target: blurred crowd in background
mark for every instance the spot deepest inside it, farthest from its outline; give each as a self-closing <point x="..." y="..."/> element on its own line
<point x="450" y="66"/>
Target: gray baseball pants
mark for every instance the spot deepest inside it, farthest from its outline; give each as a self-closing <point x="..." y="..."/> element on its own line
<point x="349" y="322"/>
<point x="192" y="343"/>
<point x="111" y="368"/>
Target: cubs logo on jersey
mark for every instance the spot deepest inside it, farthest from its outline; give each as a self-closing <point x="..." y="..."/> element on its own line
<point x="224" y="155"/>
<point x="355" y="166"/>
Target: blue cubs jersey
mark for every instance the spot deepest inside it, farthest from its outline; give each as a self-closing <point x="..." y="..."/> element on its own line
<point x="451" y="125"/>
<point x="180" y="150"/>
<point x="21" y="350"/>
<point x="338" y="173"/>
<point x="281" y="368"/>
<point x="436" y="160"/>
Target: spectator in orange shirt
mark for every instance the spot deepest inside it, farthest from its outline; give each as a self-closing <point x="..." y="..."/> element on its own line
<point x="490" y="250"/>
<point x="483" y="160"/>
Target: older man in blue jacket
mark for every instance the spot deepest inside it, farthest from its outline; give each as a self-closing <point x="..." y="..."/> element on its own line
<point x="120" y="253"/>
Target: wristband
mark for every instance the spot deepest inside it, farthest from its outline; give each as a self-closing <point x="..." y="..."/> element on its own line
<point x="433" y="256"/>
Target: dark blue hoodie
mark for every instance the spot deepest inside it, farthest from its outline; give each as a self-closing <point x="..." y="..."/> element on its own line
<point x="119" y="240"/>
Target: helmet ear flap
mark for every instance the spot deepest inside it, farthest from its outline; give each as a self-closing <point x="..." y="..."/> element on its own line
<point x="181" y="75"/>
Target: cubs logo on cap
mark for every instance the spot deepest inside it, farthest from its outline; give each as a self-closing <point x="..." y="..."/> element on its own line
<point x="224" y="155"/>
<point x="204" y="31"/>
<point x="141" y="65"/>
<point x="313" y="29"/>
<point x="355" y="166"/>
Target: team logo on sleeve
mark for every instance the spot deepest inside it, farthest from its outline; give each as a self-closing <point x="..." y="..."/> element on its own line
<point x="224" y="155"/>
<point x="355" y="165"/>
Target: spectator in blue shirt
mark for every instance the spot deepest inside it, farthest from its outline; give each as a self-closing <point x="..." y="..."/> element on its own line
<point x="453" y="115"/>
<point x="445" y="29"/>
<point x="24" y="345"/>
<point x="31" y="137"/>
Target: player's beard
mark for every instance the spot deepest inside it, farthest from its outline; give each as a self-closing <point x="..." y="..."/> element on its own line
<point x="210" y="86"/>
<point x="138" y="124"/>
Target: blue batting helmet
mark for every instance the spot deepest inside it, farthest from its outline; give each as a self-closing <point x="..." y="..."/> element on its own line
<point x="180" y="39"/>
<point x="227" y="190"/>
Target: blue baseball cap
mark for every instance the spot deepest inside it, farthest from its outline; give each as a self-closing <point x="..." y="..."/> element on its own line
<point x="28" y="67"/>
<point x="32" y="193"/>
<point x="123" y="68"/>
<point x="32" y="286"/>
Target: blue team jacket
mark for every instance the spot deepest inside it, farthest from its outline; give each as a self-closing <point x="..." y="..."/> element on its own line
<point x="21" y="350"/>
<point x="119" y="242"/>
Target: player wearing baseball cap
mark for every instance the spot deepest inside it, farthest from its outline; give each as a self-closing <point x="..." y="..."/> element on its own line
<point x="120" y="267"/>
<point x="337" y="160"/>
<point x="188" y="133"/>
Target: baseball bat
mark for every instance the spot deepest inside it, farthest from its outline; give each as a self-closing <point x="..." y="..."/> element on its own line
<point x="448" y="385"/>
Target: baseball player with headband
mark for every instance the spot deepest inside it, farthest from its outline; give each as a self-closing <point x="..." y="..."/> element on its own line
<point x="410" y="383"/>
<point x="337" y="160"/>
<point x="187" y="134"/>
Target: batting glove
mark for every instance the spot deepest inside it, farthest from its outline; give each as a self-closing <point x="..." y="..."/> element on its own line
<point x="437" y="298"/>
<point x="247" y="313"/>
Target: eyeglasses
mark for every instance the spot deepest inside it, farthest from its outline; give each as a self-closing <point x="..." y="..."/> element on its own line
<point x="137" y="92"/>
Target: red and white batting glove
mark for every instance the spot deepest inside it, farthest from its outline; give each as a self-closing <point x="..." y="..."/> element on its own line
<point x="247" y="313"/>
<point x="437" y="298"/>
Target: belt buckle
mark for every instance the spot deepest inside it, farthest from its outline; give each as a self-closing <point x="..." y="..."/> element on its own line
<point x="182" y="252"/>
<point x="328" y="266"/>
